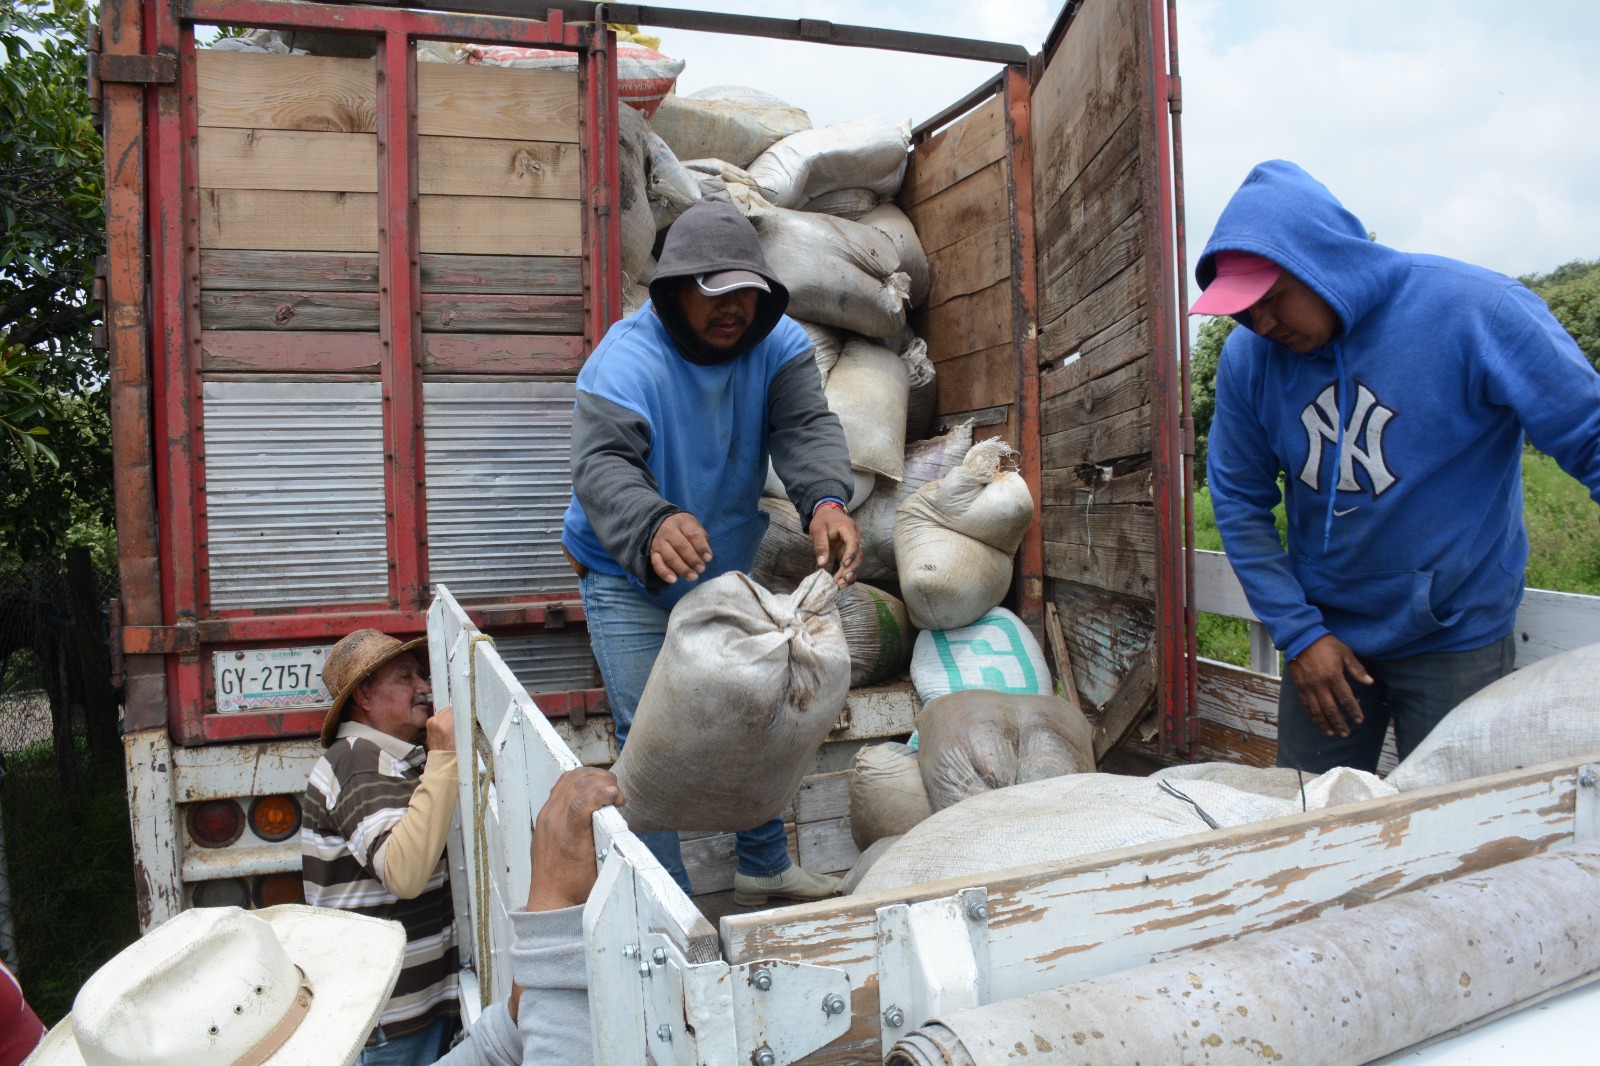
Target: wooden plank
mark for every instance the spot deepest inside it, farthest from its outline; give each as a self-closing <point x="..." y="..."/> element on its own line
<point x="1111" y="349"/>
<point x="288" y="159"/>
<point x="1057" y="641"/>
<point x="1238" y="699"/>
<point x="233" y="268"/>
<point x="1056" y="923"/>
<point x="1104" y="260"/>
<point x="822" y="798"/>
<point x="258" y="91"/>
<point x="1102" y="527"/>
<point x="1127" y="707"/>
<point x="554" y="355"/>
<point x="961" y="149"/>
<point x="224" y="351"/>
<point x="494" y="167"/>
<point x="495" y="225"/>
<point x="1108" y="190"/>
<point x="970" y="265"/>
<point x="1116" y="299"/>
<point x="272" y="220"/>
<point x="497" y="102"/>
<point x="826" y="847"/>
<point x="1117" y="393"/>
<point x="968" y="323"/>
<point x="1117" y="568"/>
<point x="970" y="206"/>
<point x="1100" y="443"/>
<point x="358" y="312"/>
<point x="1086" y="486"/>
<point x="985" y="379"/>
<point x="534" y="275"/>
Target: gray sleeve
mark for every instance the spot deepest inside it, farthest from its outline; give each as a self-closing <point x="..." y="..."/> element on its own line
<point x="548" y="962"/>
<point x="614" y="485"/>
<point x="552" y="1027"/>
<point x="806" y="439"/>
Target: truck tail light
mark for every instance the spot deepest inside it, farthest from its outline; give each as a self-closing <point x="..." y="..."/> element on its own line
<point x="216" y="823"/>
<point x="228" y="892"/>
<point x="273" y="889"/>
<point x="275" y="818"/>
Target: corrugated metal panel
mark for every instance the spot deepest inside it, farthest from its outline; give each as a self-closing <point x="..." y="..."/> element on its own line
<point x="498" y="484"/>
<point x="550" y="662"/>
<point x="294" y="493"/>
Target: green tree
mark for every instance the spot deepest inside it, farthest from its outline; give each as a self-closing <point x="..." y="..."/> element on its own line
<point x="55" y="478"/>
<point x="1203" y="357"/>
<point x="1573" y="293"/>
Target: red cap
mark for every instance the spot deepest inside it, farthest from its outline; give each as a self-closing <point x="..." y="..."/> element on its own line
<point x="1242" y="279"/>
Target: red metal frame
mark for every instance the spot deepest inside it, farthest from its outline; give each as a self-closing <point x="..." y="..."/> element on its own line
<point x="173" y="216"/>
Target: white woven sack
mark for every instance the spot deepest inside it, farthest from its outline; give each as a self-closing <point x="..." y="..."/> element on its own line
<point x="726" y="122"/>
<point x="1062" y="818"/>
<point x="638" y="229"/>
<point x="1296" y="790"/>
<point x="1543" y="712"/>
<point x="887" y="796"/>
<point x="978" y="740"/>
<point x="894" y="224"/>
<point x="839" y="273"/>
<point x="868" y="153"/>
<point x="864" y="862"/>
<point x="742" y="695"/>
<point x="843" y="203"/>
<point x="984" y="498"/>
<point x="867" y="389"/>
<point x="670" y="187"/>
<point x="717" y="176"/>
<point x="947" y="579"/>
<point x="925" y="461"/>
<point x="923" y="399"/>
<point x="996" y="652"/>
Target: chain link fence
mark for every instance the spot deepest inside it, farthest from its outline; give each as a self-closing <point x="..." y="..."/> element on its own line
<point x="66" y="863"/>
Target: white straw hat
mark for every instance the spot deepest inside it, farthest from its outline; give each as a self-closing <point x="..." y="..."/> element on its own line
<point x="220" y="986"/>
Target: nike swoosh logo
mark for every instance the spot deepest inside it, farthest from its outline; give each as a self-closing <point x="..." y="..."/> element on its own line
<point x="1340" y="514"/>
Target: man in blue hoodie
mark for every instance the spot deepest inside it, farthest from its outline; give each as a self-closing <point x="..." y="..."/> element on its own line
<point x="678" y="411"/>
<point x="1391" y="391"/>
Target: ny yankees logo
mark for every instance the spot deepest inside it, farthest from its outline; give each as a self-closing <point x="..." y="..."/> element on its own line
<point x="1363" y="440"/>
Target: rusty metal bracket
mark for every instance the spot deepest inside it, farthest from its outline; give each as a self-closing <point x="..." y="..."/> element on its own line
<point x="182" y="640"/>
<point x="136" y="69"/>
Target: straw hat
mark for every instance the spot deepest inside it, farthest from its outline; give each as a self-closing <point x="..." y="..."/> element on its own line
<point x="352" y="661"/>
<point x="220" y="986"/>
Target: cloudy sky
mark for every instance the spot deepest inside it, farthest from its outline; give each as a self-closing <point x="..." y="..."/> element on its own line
<point x="1464" y="128"/>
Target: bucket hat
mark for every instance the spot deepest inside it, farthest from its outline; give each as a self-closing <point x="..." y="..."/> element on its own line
<point x="220" y="986"/>
<point x="352" y="661"/>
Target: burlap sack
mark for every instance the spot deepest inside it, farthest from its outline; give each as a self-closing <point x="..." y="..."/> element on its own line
<point x="742" y="695"/>
<point x="863" y="153"/>
<point x="878" y="631"/>
<point x="726" y="122"/>
<point x="867" y="389"/>
<point x="925" y="461"/>
<point x="913" y="260"/>
<point x="1543" y="712"/>
<point x="977" y="741"/>
<point x="887" y="796"/>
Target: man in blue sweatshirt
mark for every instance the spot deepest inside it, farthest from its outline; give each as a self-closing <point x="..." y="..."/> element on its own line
<point x="678" y="411"/>
<point x="1391" y="392"/>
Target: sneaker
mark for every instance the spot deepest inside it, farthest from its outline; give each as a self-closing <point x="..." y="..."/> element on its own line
<point x="796" y="883"/>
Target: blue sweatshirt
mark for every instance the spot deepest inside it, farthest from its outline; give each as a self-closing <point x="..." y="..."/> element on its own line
<point x="1400" y="441"/>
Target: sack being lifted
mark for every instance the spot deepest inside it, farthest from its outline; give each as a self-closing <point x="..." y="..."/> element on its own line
<point x="743" y="693"/>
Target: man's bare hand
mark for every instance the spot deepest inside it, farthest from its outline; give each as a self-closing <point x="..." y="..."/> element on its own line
<point x="1319" y="675"/>
<point x="441" y="730"/>
<point x="834" y="535"/>
<point x="564" y="868"/>
<point x="680" y="548"/>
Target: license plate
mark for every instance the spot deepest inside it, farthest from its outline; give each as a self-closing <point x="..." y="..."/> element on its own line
<point x="271" y="679"/>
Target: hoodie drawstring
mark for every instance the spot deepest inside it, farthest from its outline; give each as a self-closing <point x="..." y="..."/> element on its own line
<point x="1338" y="455"/>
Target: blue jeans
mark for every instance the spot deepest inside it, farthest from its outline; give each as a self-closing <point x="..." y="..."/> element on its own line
<point x="1415" y="693"/>
<point x="421" y="1048"/>
<point x="627" y="631"/>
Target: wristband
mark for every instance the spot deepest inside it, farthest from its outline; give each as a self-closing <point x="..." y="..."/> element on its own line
<point x="829" y="502"/>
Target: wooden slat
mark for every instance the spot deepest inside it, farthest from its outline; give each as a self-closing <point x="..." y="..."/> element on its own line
<point x="231" y="268"/>
<point x="1117" y="393"/>
<point x="1100" y="443"/>
<point x="267" y="220"/>
<point x="553" y="355"/>
<point x="1105" y="259"/>
<point x="288" y="159"/>
<point x="1118" y="298"/>
<point x="493" y="167"/>
<point x="967" y="323"/>
<point x="1120" y="568"/>
<point x="961" y="149"/>
<point x="492" y="225"/>
<point x="977" y="380"/>
<point x="1102" y="527"/>
<point x="826" y="847"/>
<point x="1104" y="631"/>
<point x="223" y="351"/>
<point x="970" y="265"/>
<point x="497" y="102"/>
<point x="970" y="206"/>
<point x="358" y="311"/>
<point x="1239" y="699"/>
<point x="1134" y="698"/>
<point x="257" y="91"/>
<point x="1095" y="204"/>
<point x="1088" y="486"/>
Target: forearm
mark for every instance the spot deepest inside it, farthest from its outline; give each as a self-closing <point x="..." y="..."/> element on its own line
<point x="408" y="858"/>
<point x="550" y="971"/>
<point x="613" y="482"/>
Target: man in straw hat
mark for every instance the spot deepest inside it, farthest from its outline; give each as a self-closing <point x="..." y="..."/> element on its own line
<point x="677" y="413"/>
<point x="304" y="986"/>
<point x="378" y="807"/>
<point x="1391" y="392"/>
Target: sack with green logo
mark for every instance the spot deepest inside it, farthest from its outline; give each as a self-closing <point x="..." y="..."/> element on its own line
<point x="996" y="652"/>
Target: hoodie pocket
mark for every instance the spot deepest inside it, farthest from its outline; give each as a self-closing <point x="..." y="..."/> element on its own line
<point x="1378" y="613"/>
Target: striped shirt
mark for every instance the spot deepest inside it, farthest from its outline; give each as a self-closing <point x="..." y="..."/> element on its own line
<point x="357" y="793"/>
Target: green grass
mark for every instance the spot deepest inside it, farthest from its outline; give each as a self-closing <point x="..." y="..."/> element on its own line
<point x="1563" y="553"/>
<point x="71" y="876"/>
